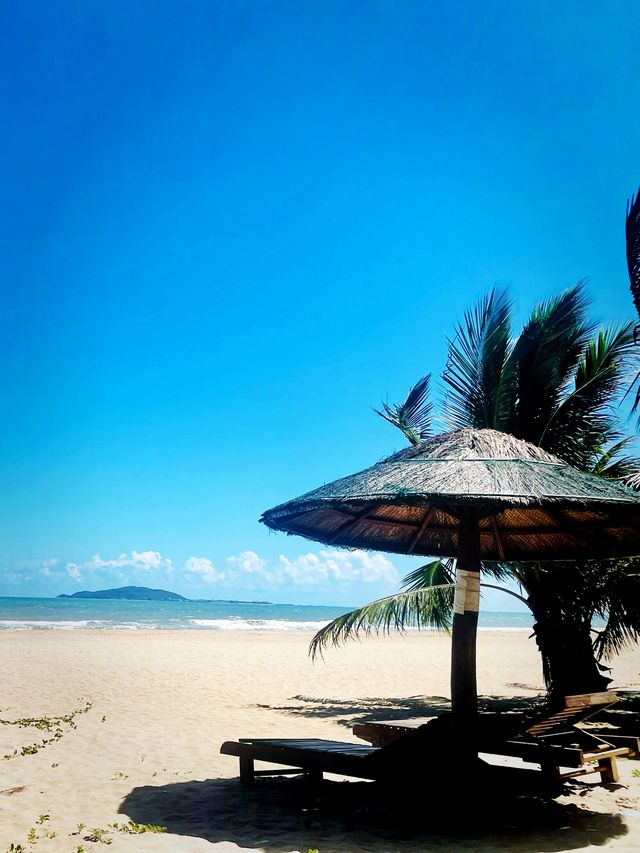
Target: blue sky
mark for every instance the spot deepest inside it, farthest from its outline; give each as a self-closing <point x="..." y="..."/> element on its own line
<point x="230" y="229"/>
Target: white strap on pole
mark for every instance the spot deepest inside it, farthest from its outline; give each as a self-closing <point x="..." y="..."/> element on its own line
<point x="467" y="594"/>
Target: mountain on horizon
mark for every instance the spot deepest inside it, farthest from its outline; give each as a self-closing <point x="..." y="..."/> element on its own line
<point x="129" y="593"/>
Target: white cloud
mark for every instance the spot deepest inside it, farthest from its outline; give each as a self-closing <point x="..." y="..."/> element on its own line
<point x="204" y="568"/>
<point x="137" y="562"/>
<point x="248" y="563"/>
<point x="249" y="570"/>
<point x="48" y="566"/>
<point x="337" y="566"/>
<point x="73" y="570"/>
<point x="246" y="570"/>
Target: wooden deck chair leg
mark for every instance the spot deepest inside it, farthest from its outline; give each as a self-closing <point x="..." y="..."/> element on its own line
<point x="550" y="771"/>
<point x="608" y="769"/>
<point x="247" y="771"/>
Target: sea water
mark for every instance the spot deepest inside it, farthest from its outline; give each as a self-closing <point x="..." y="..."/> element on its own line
<point x="82" y="613"/>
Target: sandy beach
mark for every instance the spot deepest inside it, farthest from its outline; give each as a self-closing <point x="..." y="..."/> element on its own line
<point x="142" y="716"/>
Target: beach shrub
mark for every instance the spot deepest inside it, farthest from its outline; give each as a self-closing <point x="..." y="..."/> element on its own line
<point x="132" y="828"/>
<point x="48" y="724"/>
<point x="99" y="835"/>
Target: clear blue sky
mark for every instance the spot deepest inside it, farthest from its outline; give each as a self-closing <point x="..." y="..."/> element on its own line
<point x="229" y="229"/>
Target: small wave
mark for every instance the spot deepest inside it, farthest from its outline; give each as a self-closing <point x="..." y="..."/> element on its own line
<point x="58" y="624"/>
<point x="256" y="625"/>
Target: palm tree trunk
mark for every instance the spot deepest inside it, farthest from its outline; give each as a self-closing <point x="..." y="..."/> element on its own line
<point x="464" y="690"/>
<point x="568" y="660"/>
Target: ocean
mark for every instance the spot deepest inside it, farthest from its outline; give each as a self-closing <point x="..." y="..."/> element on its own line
<point x="77" y="614"/>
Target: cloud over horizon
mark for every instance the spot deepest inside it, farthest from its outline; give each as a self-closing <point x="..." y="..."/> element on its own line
<point x="246" y="570"/>
<point x="139" y="562"/>
<point x="249" y="570"/>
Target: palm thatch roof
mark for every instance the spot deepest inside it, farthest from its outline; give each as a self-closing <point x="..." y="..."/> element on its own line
<point x="531" y="505"/>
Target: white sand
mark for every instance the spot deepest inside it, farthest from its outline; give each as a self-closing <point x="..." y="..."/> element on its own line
<point x="162" y="702"/>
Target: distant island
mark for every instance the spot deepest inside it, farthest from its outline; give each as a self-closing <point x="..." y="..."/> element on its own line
<point x="145" y="593"/>
<point x="130" y="593"/>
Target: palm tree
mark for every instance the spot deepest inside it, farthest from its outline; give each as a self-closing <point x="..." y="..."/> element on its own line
<point x="554" y="385"/>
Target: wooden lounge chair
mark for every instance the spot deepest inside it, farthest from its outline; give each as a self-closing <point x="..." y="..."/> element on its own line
<point x="408" y="757"/>
<point x="309" y="756"/>
<point x="552" y="740"/>
<point x="556" y="740"/>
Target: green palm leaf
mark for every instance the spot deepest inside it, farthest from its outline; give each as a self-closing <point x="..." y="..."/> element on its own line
<point x="413" y="416"/>
<point x="584" y="422"/>
<point x="618" y="602"/>
<point x="432" y="574"/>
<point x="477" y="372"/>
<point x="633" y="247"/>
<point x="615" y="466"/>
<point x="425" y="602"/>
<point x="633" y="266"/>
<point x="419" y="608"/>
<point x="544" y="360"/>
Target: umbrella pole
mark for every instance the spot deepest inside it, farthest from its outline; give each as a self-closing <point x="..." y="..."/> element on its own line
<point x="464" y="690"/>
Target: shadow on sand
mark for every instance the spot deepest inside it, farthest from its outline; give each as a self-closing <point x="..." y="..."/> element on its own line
<point x="625" y="713"/>
<point x="349" y="712"/>
<point x="281" y="815"/>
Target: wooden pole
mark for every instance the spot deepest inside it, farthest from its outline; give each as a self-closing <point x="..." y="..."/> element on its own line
<point x="464" y="690"/>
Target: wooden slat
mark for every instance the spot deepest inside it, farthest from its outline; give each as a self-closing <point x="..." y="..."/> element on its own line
<point x="497" y="537"/>
<point x="583" y="700"/>
<point x="631" y="742"/>
<point x="312" y="755"/>
<point x="536" y="753"/>
<point x="597" y="756"/>
<point x="350" y="522"/>
<point x="425" y="521"/>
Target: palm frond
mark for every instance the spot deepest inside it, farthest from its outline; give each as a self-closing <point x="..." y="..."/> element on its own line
<point x="636" y="381"/>
<point x="584" y="421"/>
<point x="413" y="416"/>
<point x="632" y="227"/>
<point x="630" y="476"/>
<point x="615" y="466"/>
<point x="419" y="608"/>
<point x="477" y="369"/>
<point x="432" y="574"/>
<point x="498" y="570"/>
<point x="619" y="604"/>
<point x="633" y="247"/>
<point x="544" y="360"/>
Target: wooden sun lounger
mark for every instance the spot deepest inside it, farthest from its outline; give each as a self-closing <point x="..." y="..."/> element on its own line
<point x="309" y="756"/>
<point x="404" y="760"/>
<point x="434" y="746"/>
<point x="553" y="741"/>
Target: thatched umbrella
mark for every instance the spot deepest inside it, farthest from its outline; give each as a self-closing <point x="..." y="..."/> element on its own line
<point x="474" y="495"/>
